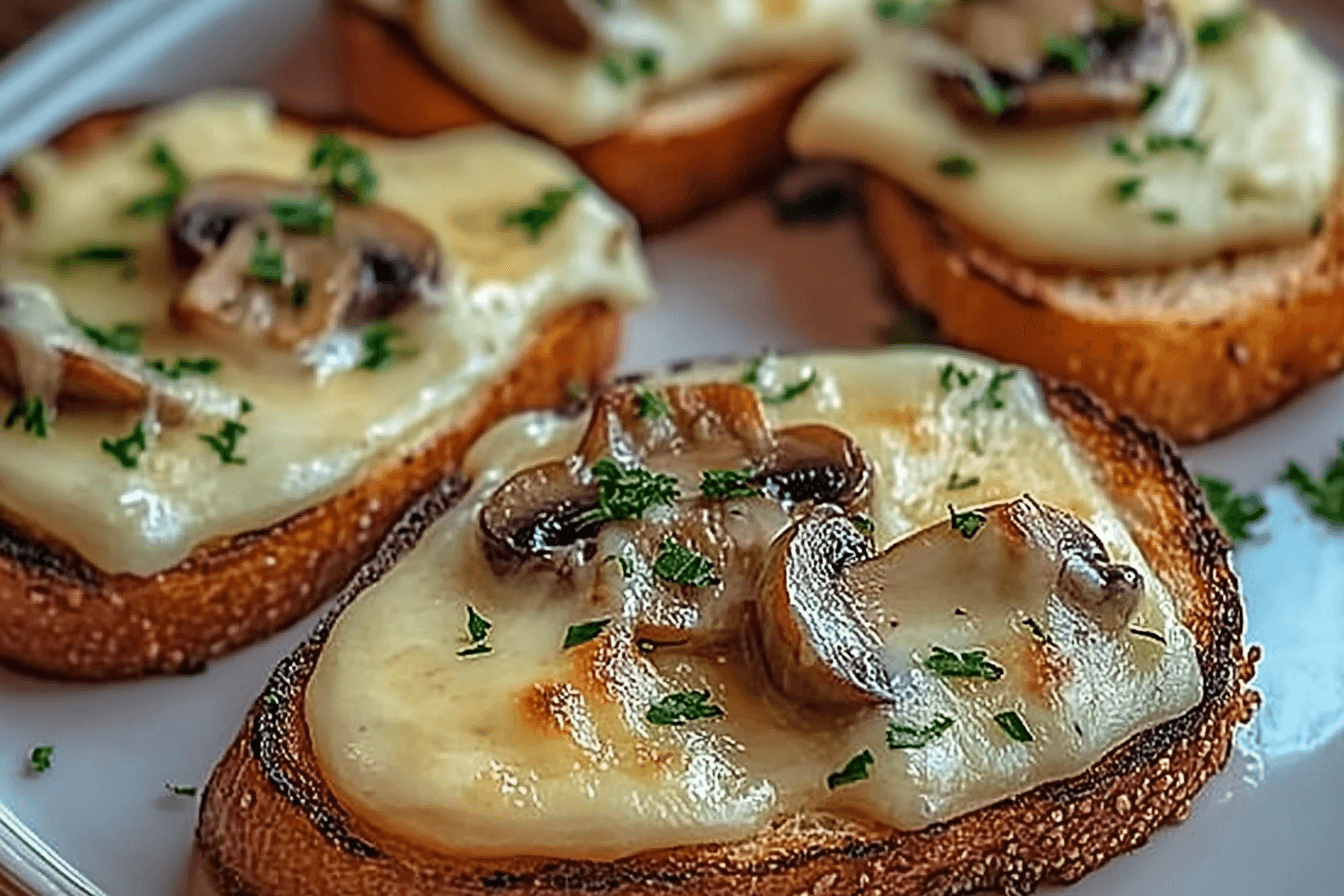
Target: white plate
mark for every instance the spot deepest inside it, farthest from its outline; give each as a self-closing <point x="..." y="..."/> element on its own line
<point x="1269" y="824"/>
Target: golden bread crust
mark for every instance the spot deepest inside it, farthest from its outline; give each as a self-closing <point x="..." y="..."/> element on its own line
<point x="1194" y="352"/>
<point x="270" y="825"/>
<point x="61" y="616"/>
<point x="663" y="176"/>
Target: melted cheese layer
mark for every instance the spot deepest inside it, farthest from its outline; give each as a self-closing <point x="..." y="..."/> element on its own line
<point x="307" y="440"/>
<point x="1263" y="102"/>
<point x="515" y="752"/>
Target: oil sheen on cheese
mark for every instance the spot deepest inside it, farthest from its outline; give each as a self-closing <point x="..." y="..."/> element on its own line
<point x="307" y="440"/>
<point x="537" y="750"/>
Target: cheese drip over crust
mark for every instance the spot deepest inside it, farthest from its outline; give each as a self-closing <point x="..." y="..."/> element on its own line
<point x="625" y="696"/>
<point x="308" y="437"/>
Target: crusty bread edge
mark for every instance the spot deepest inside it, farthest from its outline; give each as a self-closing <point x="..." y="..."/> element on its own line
<point x="664" y="177"/>
<point x="1192" y="379"/>
<point x="269" y="825"/>
<point x="61" y="616"/>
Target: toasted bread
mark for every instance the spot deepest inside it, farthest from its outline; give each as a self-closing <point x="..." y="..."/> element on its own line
<point x="1194" y="351"/>
<point x="686" y="156"/>
<point x="270" y="824"/>
<point x="62" y="616"/>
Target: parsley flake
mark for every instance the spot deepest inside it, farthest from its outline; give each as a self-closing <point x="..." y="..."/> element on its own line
<point x="1156" y="143"/>
<point x="988" y="93"/>
<point x="123" y="338"/>
<point x="1165" y="216"/>
<point x="625" y="493"/>
<point x="971" y="664"/>
<point x="1234" y="512"/>
<point x="728" y="484"/>
<point x="478" y="629"/>
<point x="534" y="220"/>
<point x="678" y="563"/>
<point x="379" y="353"/>
<point x="225" y="442"/>
<point x="1120" y="148"/>
<point x="1152" y="95"/>
<point x="953" y="376"/>
<point x="200" y="366"/>
<point x="904" y="12"/>
<point x="683" y="707"/>
<point x="584" y="632"/>
<point x="650" y="405"/>
<point x="39" y="760"/>
<point x="968" y="522"/>
<point x="267" y="264"/>
<point x="179" y="789"/>
<point x="1014" y="727"/>
<point x="991" y="399"/>
<point x="790" y="391"/>
<point x="1068" y="52"/>
<point x="98" y="253"/>
<point x="174" y="185"/>
<point x="855" y="770"/>
<point x="1128" y="189"/>
<point x="1218" y="29"/>
<point x="642" y="63"/>
<point x="351" y="176"/>
<point x="127" y="450"/>
<point x="907" y="737"/>
<point x="23" y="201"/>
<point x="312" y="214"/>
<point x="31" y="414"/>
<point x="863" y="524"/>
<point x="1324" y="498"/>
<point x="957" y="166"/>
<point x="955" y="483"/>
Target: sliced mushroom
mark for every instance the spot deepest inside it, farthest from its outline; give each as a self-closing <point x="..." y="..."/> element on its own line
<point x="544" y="512"/>
<point x="369" y="263"/>
<point x="1111" y="70"/>
<point x="840" y="623"/>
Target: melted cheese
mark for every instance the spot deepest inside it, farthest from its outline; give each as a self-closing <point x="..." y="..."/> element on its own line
<point x="307" y="440"/>
<point x="531" y="749"/>
<point x="1266" y="105"/>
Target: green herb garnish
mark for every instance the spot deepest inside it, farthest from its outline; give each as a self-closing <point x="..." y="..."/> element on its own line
<point x="904" y="12"/>
<point x="646" y="62"/>
<point x="179" y="789"/>
<point x="313" y="214"/>
<point x="863" y="524"/>
<point x="855" y="770"/>
<point x="752" y="377"/>
<point x="967" y="522"/>
<point x="678" y="709"/>
<point x="31" y="414"/>
<point x="1156" y="143"/>
<point x="1070" y="52"/>
<point x="23" y="201"/>
<point x="584" y="632"/>
<point x="956" y="166"/>
<point x="127" y="450"/>
<point x="378" y="350"/>
<point x="478" y="628"/>
<point x="98" y="253"/>
<point x="1324" y="498"/>
<point x="199" y="366"/>
<point x="39" y="760"/>
<point x="1120" y="147"/>
<point x="1128" y="189"/>
<point x="956" y="483"/>
<point x="972" y="664"/>
<point x="991" y="399"/>
<point x="225" y="442"/>
<point x="951" y="375"/>
<point x="906" y="737"/>
<point x="1152" y="94"/>
<point x="1014" y="727"/>
<point x="642" y="63"/>
<point x="267" y="264"/>
<point x="625" y="493"/>
<point x="678" y="563"/>
<point x="988" y="93"/>
<point x="351" y="176"/>
<point x="174" y="185"/>
<point x="615" y="72"/>
<point x="535" y="219"/>
<point x="1234" y="512"/>
<point x="124" y="338"/>
<point x="1218" y="29"/>
<point x="728" y="484"/>
<point x="1164" y="216"/>
<point x="298" y="296"/>
<point x="650" y="404"/>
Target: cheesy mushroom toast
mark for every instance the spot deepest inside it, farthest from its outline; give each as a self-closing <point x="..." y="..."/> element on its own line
<point x="235" y="350"/>
<point x="901" y="622"/>
<point x="672" y="107"/>
<point x="1138" y="196"/>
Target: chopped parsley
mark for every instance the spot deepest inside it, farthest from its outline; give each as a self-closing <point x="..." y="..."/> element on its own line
<point x="379" y="353"/>
<point x="123" y="338"/>
<point x="907" y="737"/>
<point x="1014" y="727"/>
<point x="127" y="450"/>
<point x="678" y="563"/>
<point x="351" y="176"/>
<point x="625" y="493"/>
<point x="1156" y="143"/>
<point x="584" y="632"/>
<point x="683" y="707"/>
<point x="1068" y="52"/>
<point x="535" y="219"/>
<point x="968" y="522"/>
<point x="957" y="166"/>
<point x="201" y="366"/>
<point x="1128" y="189"/>
<point x="174" y="185"/>
<point x="951" y="375"/>
<point x="225" y="442"/>
<point x="298" y="295"/>
<point x="790" y="391"/>
<point x="313" y="214"/>
<point x="650" y="404"/>
<point x="971" y="664"/>
<point x="179" y="789"/>
<point x="863" y="524"/>
<point x="1165" y="216"/>
<point x="728" y="484"/>
<point x="991" y="399"/>
<point x="1218" y="29"/>
<point x="988" y="93"/>
<point x="1234" y="512"/>
<point x="30" y="412"/>
<point x="956" y="483"/>
<point x="904" y="12"/>
<point x="1152" y="94"/>
<point x="478" y="629"/>
<point x="39" y="760"/>
<point x="855" y="770"/>
<point x="1120" y="147"/>
<point x="1324" y="498"/>
<point x="642" y="63"/>
<point x="98" y="253"/>
<point x="267" y="264"/>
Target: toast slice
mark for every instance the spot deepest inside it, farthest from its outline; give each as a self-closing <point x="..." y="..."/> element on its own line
<point x="686" y="156"/>
<point x="271" y="822"/>
<point x="63" y="614"/>
<point x="1195" y="351"/>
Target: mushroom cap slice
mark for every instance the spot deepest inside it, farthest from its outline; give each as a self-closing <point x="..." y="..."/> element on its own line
<point x="840" y="623"/>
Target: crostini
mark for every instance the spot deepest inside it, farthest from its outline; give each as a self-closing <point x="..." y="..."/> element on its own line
<point x="235" y="350"/>
<point x="904" y="622"/>
<point x="672" y="108"/>
<point x="1141" y="197"/>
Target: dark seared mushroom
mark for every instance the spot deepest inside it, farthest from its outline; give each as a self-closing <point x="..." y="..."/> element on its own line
<point x="836" y="618"/>
<point x="1045" y="62"/>
<point x="332" y="265"/>
<point x="543" y="512"/>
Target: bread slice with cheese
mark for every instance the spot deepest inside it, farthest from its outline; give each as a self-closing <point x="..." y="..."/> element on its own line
<point x="234" y="350"/>
<point x="900" y="622"/>
<point x="692" y="113"/>
<point x="1174" y="251"/>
